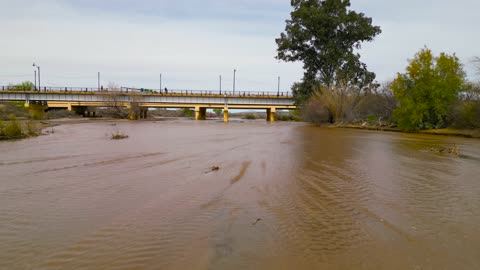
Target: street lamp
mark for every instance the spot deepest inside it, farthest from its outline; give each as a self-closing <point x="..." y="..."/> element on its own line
<point x="234" y="72"/>
<point x="35" y="65"/>
<point x="220" y="84"/>
<point x="35" y="79"/>
<point x="278" y="91"/>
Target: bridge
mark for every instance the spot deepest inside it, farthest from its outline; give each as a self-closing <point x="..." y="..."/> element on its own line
<point x="85" y="100"/>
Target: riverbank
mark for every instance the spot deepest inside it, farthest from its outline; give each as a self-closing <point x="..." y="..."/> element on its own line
<point x="44" y="127"/>
<point x="465" y="133"/>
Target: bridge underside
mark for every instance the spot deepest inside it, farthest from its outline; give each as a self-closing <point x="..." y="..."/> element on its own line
<point x="200" y="109"/>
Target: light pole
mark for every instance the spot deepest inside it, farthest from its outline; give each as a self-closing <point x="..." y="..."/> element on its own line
<point x="160" y="83"/>
<point x="220" y="84"/>
<point x="35" y="65"/>
<point x="35" y="78"/>
<point x="98" y="82"/>
<point x="278" y="91"/>
<point x="234" y="73"/>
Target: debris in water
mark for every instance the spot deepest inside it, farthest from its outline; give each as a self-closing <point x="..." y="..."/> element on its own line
<point x="256" y="221"/>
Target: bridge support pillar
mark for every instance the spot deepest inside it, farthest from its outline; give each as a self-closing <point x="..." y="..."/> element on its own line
<point x="36" y="109"/>
<point x="271" y="114"/>
<point x="200" y="113"/>
<point x="143" y="113"/>
<point x="225" y="114"/>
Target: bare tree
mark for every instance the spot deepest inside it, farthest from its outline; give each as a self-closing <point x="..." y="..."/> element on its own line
<point x="116" y="105"/>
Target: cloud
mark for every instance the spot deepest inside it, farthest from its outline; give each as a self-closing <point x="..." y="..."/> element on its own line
<point x="193" y="42"/>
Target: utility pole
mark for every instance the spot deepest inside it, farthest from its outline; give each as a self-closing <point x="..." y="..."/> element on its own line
<point x="35" y="76"/>
<point x="220" y="84"/>
<point x="98" y="89"/>
<point x="38" y="67"/>
<point x="234" y="72"/>
<point x="278" y="91"/>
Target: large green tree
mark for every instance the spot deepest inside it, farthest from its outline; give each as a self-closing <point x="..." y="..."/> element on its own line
<point x="324" y="35"/>
<point x="427" y="91"/>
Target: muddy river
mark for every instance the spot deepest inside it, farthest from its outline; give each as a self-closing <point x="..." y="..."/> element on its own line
<point x="285" y="196"/>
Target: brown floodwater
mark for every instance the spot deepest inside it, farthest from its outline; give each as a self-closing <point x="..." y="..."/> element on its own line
<point x="285" y="196"/>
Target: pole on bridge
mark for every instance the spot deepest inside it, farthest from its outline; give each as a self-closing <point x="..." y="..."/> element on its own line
<point x="35" y="78"/>
<point x="38" y="67"/>
<point x="98" y="82"/>
<point x="160" y="83"/>
<point x="278" y="91"/>
<point x="234" y="73"/>
<point x="220" y="84"/>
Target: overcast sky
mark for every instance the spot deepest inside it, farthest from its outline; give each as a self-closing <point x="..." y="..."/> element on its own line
<point x="193" y="42"/>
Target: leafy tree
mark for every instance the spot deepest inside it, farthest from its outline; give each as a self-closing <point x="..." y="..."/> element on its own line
<point x="26" y="85"/>
<point x="217" y="112"/>
<point x="324" y="34"/>
<point x="427" y="91"/>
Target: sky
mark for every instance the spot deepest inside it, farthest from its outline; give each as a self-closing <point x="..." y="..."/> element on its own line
<point x="192" y="43"/>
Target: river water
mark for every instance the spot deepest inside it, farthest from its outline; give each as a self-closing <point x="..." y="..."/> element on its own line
<point x="285" y="196"/>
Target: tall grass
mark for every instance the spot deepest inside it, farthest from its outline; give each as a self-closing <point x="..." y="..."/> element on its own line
<point x="346" y="104"/>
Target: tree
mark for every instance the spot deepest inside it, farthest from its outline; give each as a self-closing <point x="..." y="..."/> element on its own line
<point x="217" y="112"/>
<point x="428" y="90"/>
<point x="324" y="35"/>
<point x="25" y="86"/>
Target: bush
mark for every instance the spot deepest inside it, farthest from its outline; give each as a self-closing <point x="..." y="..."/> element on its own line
<point x="316" y="112"/>
<point x="31" y="129"/>
<point x="187" y="112"/>
<point x="17" y="109"/>
<point x="465" y="115"/>
<point x="250" y="116"/>
<point x="12" y="130"/>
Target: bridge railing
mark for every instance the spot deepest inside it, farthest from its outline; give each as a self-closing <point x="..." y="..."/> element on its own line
<point x="176" y="92"/>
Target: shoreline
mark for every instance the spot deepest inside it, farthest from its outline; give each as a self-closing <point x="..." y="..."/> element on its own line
<point x="465" y="133"/>
<point x="43" y="125"/>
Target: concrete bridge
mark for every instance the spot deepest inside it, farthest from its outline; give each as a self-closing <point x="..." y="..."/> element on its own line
<point x="85" y="100"/>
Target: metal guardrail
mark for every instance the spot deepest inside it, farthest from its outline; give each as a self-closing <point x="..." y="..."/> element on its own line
<point x="284" y="94"/>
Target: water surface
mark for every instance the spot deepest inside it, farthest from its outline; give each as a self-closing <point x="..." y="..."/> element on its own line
<point x="286" y="196"/>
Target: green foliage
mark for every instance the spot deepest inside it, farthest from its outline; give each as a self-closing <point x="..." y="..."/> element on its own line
<point x="427" y="91"/>
<point x="187" y="112"/>
<point x="250" y="116"/>
<point x="466" y="115"/>
<point x="7" y="109"/>
<point x="12" y="130"/>
<point x="31" y="129"/>
<point x="25" y="86"/>
<point x="324" y="35"/>
<point x="217" y="112"/>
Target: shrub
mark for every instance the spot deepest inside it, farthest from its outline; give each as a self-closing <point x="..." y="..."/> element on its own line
<point x="31" y="129"/>
<point x="465" y="115"/>
<point x="12" y="130"/>
<point x="187" y="112"/>
<point x="249" y="116"/>
<point x="316" y="111"/>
